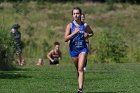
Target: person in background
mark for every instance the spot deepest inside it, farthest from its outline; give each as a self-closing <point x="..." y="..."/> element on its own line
<point x="16" y="35"/>
<point x="87" y="39"/>
<point x="55" y="55"/>
<point x="40" y="61"/>
<point x="76" y="34"/>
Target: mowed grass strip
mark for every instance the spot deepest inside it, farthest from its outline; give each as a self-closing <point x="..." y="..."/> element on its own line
<point x="99" y="78"/>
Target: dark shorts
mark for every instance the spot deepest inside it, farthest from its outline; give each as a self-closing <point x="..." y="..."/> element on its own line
<point x="18" y="50"/>
<point x="76" y="52"/>
<point x="56" y="61"/>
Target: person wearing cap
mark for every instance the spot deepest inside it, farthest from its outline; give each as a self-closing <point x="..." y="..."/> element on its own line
<point x="17" y="40"/>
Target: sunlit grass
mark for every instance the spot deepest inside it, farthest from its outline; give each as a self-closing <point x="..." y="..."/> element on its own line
<point x="99" y="78"/>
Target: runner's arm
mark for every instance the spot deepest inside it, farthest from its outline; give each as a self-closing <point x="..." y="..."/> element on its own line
<point x="49" y="55"/>
<point x="68" y="36"/>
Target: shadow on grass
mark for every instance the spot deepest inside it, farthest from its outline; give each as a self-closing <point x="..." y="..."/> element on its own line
<point x="9" y="75"/>
<point x="101" y="92"/>
<point x="87" y="92"/>
<point x="14" y="73"/>
<point x="108" y="92"/>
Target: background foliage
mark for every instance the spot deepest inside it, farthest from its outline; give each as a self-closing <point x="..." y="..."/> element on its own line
<point x="6" y="50"/>
<point x="112" y="47"/>
<point x="64" y="1"/>
<point x="44" y="23"/>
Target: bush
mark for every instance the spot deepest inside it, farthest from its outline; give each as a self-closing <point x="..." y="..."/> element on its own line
<point x="112" y="48"/>
<point x="6" y="50"/>
<point x="136" y="54"/>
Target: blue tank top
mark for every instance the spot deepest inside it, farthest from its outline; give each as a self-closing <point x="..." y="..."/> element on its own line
<point x="78" y="40"/>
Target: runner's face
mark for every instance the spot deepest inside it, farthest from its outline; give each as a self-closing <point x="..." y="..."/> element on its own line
<point x="82" y="18"/>
<point x="76" y="14"/>
<point x="57" y="47"/>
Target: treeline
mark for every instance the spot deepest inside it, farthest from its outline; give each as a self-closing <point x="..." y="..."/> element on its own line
<point x="54" y="1"/>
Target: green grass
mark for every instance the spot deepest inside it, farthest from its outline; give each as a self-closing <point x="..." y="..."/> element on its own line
<point x="47" y="23"/>
<point x="99" y="78"/>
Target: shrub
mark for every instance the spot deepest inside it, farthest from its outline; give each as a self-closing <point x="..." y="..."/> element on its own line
<point x="112" y="48"/>
<point x="136" y="54"/>
<point x="6" y="50"/>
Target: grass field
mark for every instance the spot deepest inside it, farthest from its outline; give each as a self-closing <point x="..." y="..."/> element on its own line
<point x="99" y="78"/>
<point x="41" y="25"/>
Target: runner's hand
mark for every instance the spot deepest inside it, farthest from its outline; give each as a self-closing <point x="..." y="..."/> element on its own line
<point x="77" y="29"/>
<point x="85" y="35"/>
<point x="52" y="61"/>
